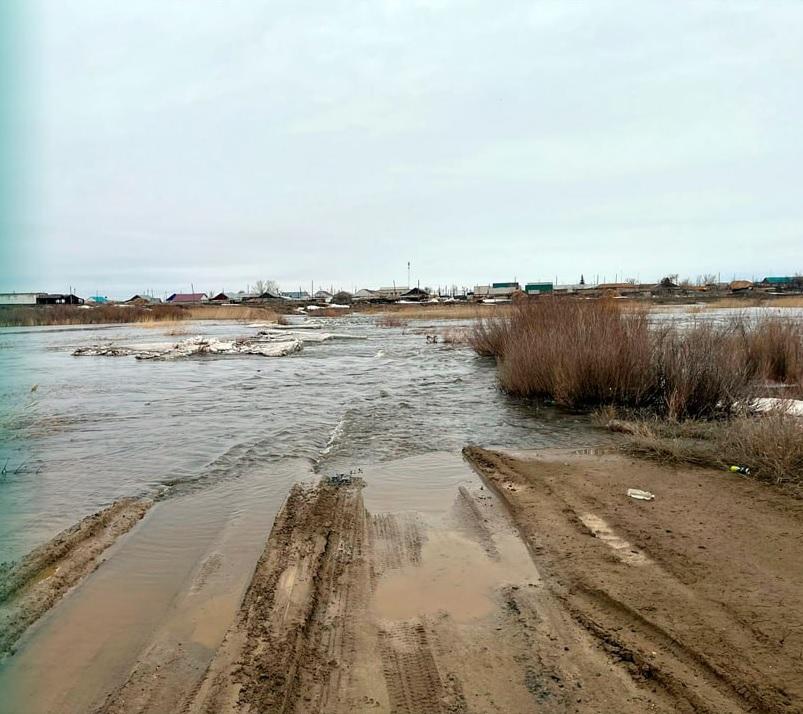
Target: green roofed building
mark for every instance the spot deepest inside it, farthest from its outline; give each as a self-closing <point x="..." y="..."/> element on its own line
<point x="538" y="288"/>
<point x="511" y="286"/>
<point x="778" y="281"/>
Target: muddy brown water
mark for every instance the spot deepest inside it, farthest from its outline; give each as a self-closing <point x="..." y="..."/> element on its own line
<point x="95" y="429"/>
<point x="219" y="442"/>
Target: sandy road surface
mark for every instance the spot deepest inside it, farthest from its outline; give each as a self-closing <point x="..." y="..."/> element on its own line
<point x="350" y="611"/>
<point x="699" y="592"/>
<point x="540" y="587"/>
<point x="30" y="587"/>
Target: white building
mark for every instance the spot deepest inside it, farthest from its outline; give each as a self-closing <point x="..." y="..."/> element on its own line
<point x="20" y="299"/>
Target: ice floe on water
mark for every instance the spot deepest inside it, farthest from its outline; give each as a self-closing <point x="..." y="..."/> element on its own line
<point x="194" y="346"/>
<point x="292" y="326"/>
<point x="272" y="335"/>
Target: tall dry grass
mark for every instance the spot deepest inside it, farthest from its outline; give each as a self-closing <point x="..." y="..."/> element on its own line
<point x="433" y="311"/>
<point x="583" y="353"/>
<point x="773" y="348"/>
<point x="390" y="320"/>
<point x="231" y="312"/>
<point x="769" y="444"/>
<point x="109" y="314"/>
<point x="97" y="315"/>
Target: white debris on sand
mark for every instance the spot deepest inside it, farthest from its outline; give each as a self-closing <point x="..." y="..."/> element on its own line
<point x="789" y="406"/>
<point x="194" y="346"/>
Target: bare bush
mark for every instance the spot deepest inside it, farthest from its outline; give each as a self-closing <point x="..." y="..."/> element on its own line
<point x="583" y="353"/>
<point x="697" y="372"/>
<point x="770" y="444"/>
<point x="773" y="348"/>
<point x="390" y="320"/>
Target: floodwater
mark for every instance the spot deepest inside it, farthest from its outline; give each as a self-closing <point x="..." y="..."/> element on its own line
<point x="219" y="441"/>
<point x="76" y="433"/>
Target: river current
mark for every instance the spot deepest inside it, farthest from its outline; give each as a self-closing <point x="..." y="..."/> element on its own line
<point x="77" y="433"/>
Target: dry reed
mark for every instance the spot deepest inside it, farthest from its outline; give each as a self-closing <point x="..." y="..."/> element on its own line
<point x="769" y="444"/>
<point x="100" y="314"/>
<point x="107" y="314"/>
<point x="391" y="321"/>
<point x="582" y="353"/>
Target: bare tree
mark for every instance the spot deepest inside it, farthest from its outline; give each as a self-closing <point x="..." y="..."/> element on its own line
<point x="264" y="286"/>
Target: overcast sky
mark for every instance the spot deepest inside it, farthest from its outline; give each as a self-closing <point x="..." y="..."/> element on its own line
<point x="218" y="143"/>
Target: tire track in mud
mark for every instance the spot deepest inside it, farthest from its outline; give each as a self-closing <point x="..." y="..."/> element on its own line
<point x="701" y="656"/>
<point x="34" y="584"/>
<point x="293" y="634"/>
<point x="411" y="672"/>
<point x="311" y="635"/>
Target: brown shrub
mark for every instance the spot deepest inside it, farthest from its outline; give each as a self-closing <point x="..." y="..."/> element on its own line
<point x="95" y="315"/>
<point x="773" y="348"/>
<point x="771" y="444"/>
<point x="589" y="352"/>
<point x="391" y="321"/>
<point x="490" y="334"/>
<point x="697" y="372"/>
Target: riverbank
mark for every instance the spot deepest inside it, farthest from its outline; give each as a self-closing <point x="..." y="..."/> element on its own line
<point x="45" y="315"/>
<point x="122" y="314"/>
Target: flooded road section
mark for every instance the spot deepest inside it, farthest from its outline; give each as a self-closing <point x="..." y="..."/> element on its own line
<point x="164" y="595"/>
<point x="411" y="593"/>
<point x="77" y="433"/>
<point x="358" y="608"/>
<point x="219" y="442"/>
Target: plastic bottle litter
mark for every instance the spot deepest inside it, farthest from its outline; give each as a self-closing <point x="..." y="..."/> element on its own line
<point x="739" y="470"/>
<point x="637" y="493"/>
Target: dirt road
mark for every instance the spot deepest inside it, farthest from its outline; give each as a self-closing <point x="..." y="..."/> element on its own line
<point x="393" y="612"/>
<point x="541" y="587"/>
<point x="32" y="586"/>
<point x="698" y="593"/>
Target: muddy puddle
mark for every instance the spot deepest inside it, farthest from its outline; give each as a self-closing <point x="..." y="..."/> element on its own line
<point x="165" y="592"/>
<point x="218" y="442"/>
<point x="142" y="632"/>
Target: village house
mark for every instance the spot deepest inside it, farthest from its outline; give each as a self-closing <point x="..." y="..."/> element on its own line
<point x="143" y="300"/>
<point x="295" y="295"/>
<point x="365" y="295"/>
<point x="415" y="295"/>
<point x="782" y="283"/>
<point x="21" y="299"/>
<point x="187" y="298"/>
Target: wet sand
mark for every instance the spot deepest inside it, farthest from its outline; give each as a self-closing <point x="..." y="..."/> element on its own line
<point x="528" y="583"/>
<point x="30" y="587"/>
<point x="404" y="611"/>
<point x="158" y="608"/>
<point x="698" y="593"/>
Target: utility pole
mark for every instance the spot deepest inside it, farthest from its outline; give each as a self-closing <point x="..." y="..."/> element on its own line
<point x="408" y="273"/>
